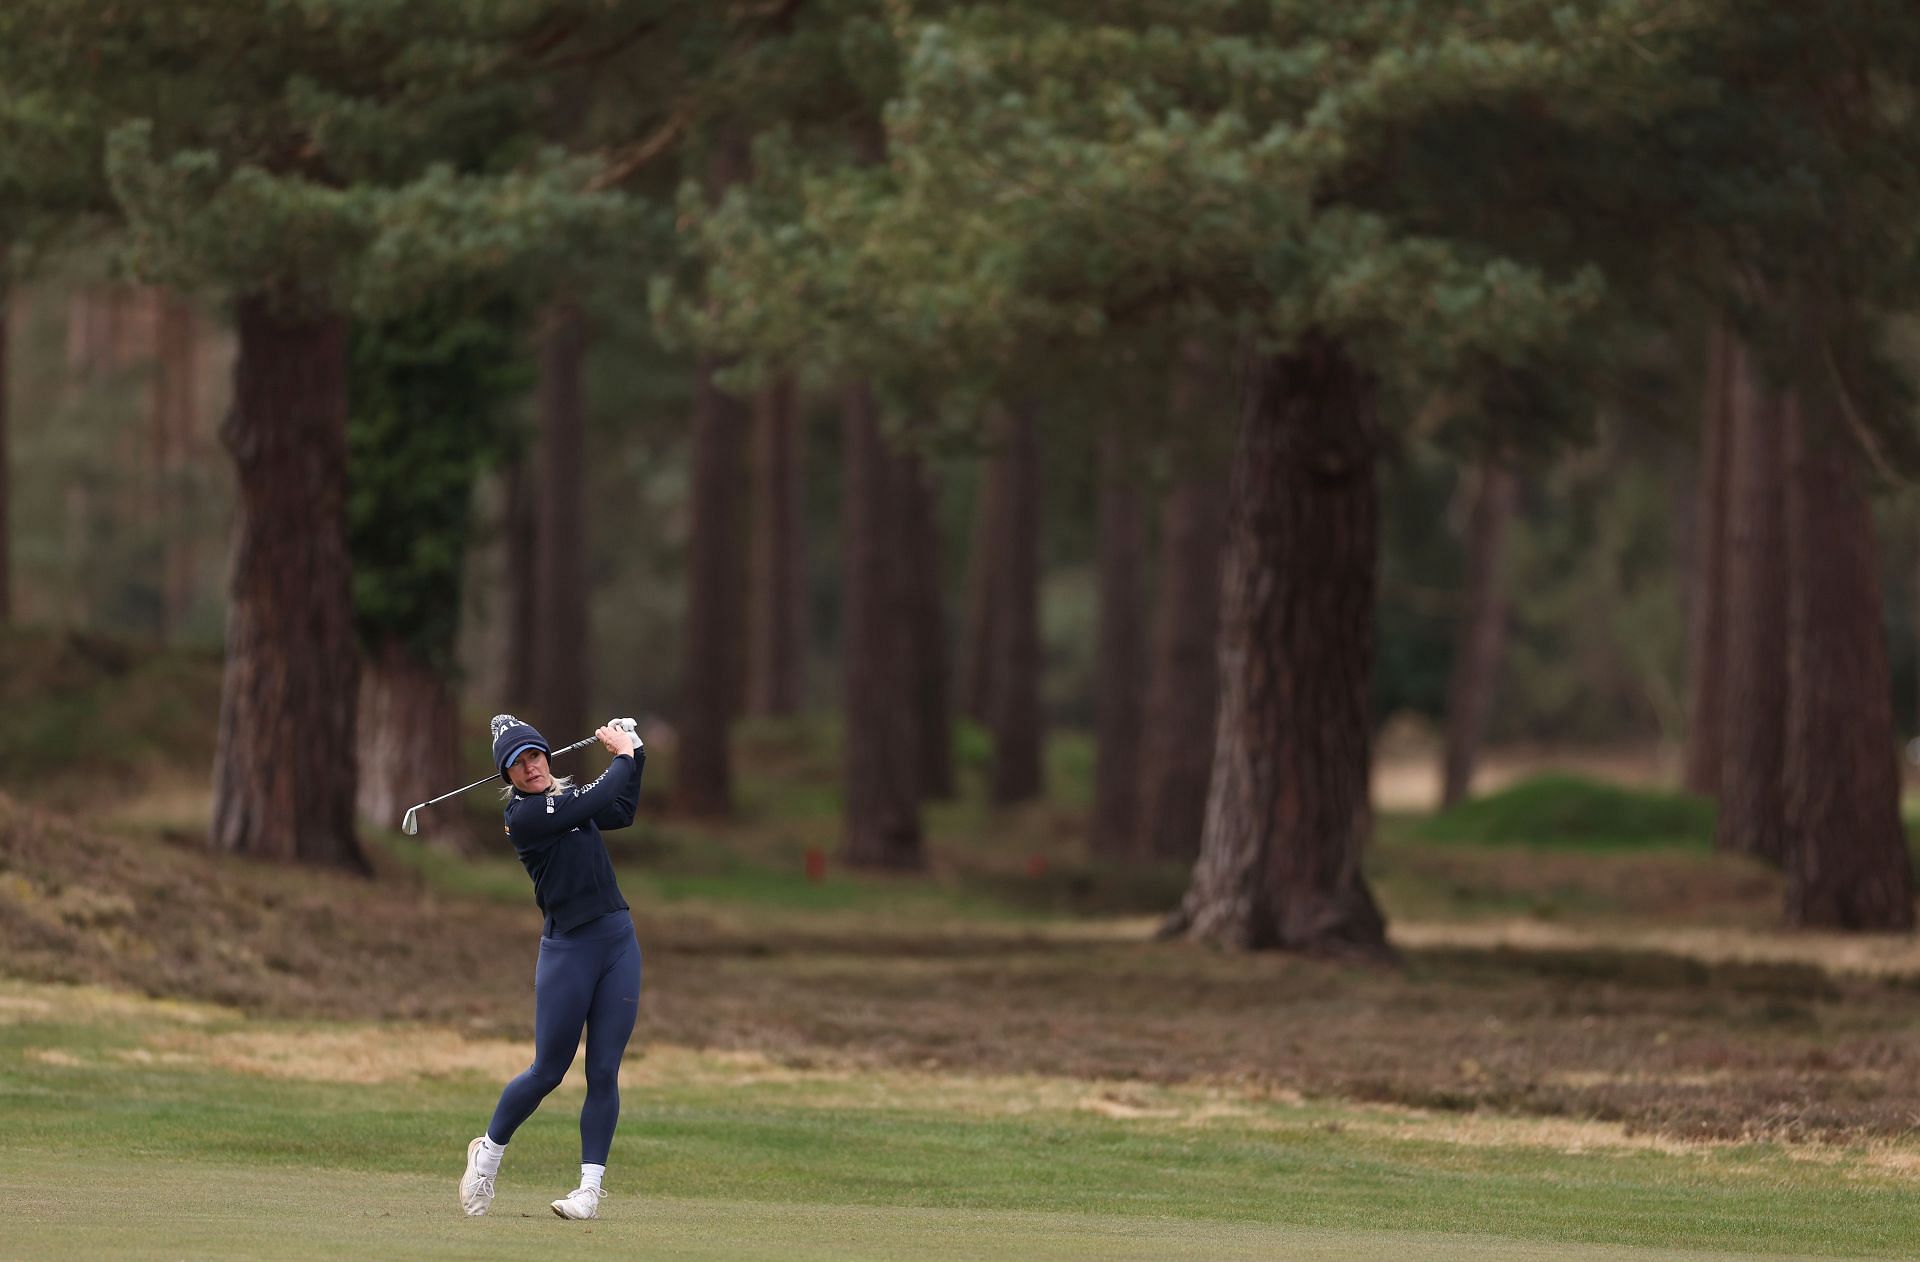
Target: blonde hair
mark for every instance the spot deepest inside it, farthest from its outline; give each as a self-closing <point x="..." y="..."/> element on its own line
<point x="560" y="785"/>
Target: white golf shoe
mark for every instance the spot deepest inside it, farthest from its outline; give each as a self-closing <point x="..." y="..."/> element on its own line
<point x="476" y="1189"/>
<point x="582" y="1203"/>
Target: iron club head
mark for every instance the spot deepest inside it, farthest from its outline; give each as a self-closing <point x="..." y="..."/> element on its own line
<point x="411" y="824"/>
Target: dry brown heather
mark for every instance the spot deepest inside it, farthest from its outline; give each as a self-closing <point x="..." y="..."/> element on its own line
<point x="1684" y="1038"/>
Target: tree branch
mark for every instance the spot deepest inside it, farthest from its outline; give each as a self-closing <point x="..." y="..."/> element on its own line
<point x="623" y="164"/>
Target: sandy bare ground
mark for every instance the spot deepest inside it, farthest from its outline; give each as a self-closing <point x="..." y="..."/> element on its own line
<point x="1407" y="771"/>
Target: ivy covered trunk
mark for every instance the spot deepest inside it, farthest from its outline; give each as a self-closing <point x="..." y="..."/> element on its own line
<point x="284" y="770"/>
<point x="1120" y="657"/>
<point x="925" y="615"/>
<point x="1706" y="589"/>
<point x="1482" y="635"/>
<point x="558" y="669"/>
<point x="1013" y="700"/>
<point x="882" y="812"/>
<point x="777" y="655"/>
<point x="1183" y="691"/>
<point x="1288" y="814"/>
<point x="1753" y="706"/>
<point x="712" y="650"/>
<point x="1848" y="865"/>
<point x="410" y="747"/>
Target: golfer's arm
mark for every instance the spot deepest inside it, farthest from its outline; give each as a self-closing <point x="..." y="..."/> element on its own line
<point x="530" y="820"/>
<point x="619" y="813"/>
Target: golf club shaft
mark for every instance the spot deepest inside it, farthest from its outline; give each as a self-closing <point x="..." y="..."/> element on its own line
<point x="581" y="744"/>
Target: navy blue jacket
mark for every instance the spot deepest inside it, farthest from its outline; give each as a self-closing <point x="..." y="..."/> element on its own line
<point x="557" y="836"/>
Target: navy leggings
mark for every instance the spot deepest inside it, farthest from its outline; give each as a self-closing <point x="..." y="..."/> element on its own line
<point x="590" y="978"/>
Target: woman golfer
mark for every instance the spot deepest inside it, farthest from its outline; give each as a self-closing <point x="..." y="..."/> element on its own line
<point x="589" y="971"/>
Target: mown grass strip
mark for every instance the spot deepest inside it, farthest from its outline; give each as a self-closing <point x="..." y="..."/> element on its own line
<point x="933" y="1164"/>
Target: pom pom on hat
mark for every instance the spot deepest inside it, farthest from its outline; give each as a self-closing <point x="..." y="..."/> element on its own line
<point x="512" y="738"/>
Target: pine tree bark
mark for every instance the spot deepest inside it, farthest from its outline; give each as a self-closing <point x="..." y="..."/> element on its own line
<point x="1120" y="656"/>
<point x="1184" y="691"/>
<point x="175" y="406"/>
<point x="1707" y="596"/>
<point x="926" y="627"/>
<point x="715" y="645"/>
<point x="1752" y="818"/>
<point x="6" y="473"/>
<point x="284" y="771"/>
<point x="521" y="528"/>
<point x="558" y="667"/>
<point x="1013" y="707"/>
<point x="1847" y="864"/>
<point x="777" y="657"/>
<point x="882" y="809"/>
<point x="983" y="552"/>
<point x="709" y="675"/>
<point x="410" y="745"/>
<point x="1288" y="813"/>
<point x="1482" y="635"/>
<point x="90" y="329"/>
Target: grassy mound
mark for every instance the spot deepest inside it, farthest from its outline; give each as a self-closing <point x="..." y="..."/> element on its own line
<point x="1566" y="811"/>
<point x="167" y="918"/>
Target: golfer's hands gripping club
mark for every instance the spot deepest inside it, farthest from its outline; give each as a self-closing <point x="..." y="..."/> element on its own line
<point x="620" y="736"/>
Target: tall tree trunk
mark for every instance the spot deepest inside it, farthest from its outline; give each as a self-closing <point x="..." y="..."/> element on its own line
<point x="1482" y="635"/>
<point x="175" y="407"/>
<point x="709" y="674"/>
<point x="777" y="657"/>
<point x="926" y="626"/>
<point x="284" y="771"/>
<point x="1707" y="593"/>
<point x="521" y="528"/>
<point x="1752" y="817"/>
<point x="714" y="649"/>
<point x="1013" y="707"/>
<point x="6" y="474"/>
<point x="409" y="746"/>
<point x="882" y="810"/>
<point x="1847" y="865"/>
<point x="983" y="553"/>
<point x="1120" y="658"/>
<point x="558" y="685"/>
<point x="1184" y="690"/>
<point x="1288" y="814"/>
<point x="90" y="329"/>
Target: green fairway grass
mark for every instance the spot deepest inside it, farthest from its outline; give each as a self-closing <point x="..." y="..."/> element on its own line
<point x="141" y="1130"/>
<point x="226" y="1212"/>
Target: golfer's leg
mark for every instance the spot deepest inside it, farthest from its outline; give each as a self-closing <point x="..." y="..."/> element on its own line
<point x="616" y="1002"/>
<point x="563" y="991"/>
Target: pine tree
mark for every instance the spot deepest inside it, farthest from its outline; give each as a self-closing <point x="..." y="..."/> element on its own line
<point x="339" y="174"/>
<point x="777" y="623"/>
<point x="1382" y="210"/>
<point x="1120" y="669"/>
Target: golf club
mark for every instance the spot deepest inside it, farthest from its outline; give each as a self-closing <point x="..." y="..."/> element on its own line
<point x="410" y="823"/>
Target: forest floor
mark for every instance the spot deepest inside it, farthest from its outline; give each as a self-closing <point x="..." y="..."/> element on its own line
<point x="1596" y="1039"/>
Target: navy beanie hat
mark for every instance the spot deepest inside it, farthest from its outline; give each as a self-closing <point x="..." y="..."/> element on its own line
<point x="512" y="738"/>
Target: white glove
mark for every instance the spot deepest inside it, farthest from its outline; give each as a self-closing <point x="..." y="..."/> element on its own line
<point x="632" y="729"/>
